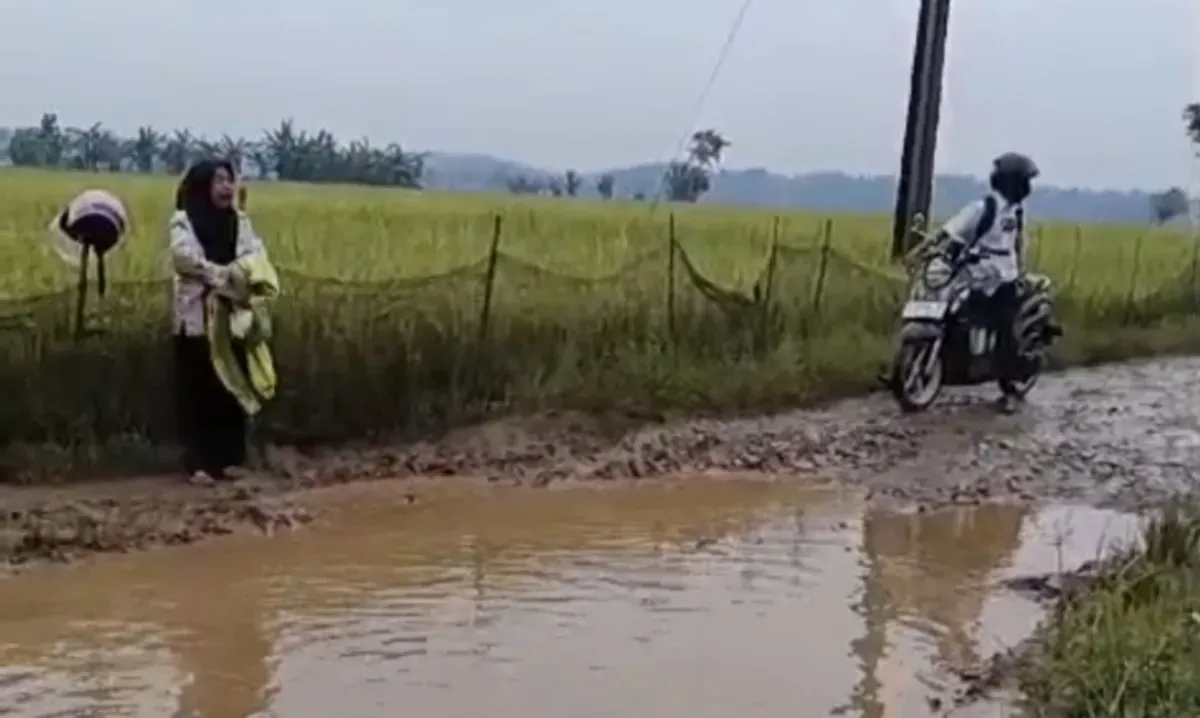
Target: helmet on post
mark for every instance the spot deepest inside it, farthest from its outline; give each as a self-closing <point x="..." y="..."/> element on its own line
<point x="91" y="225"/>
<point x="95" y="219"/>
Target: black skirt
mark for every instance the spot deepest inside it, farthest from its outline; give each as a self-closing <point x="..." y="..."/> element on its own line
<point x="212" y="424"/>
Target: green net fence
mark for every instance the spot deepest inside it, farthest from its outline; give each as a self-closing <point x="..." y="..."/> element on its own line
<point x="367" y="360"/>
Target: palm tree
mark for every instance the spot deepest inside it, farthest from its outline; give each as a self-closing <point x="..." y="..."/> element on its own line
<point x="178" y="151"/>
<point x="606" y="185"/>
<point x="282" y="145"/>
<point x="233" y="149"/>
<point x="143" y="149"/>
<point x="111" y="150"/>
<point x="361" y="163"/>
<point x="285" y="152"/>
<point x="706" y="147"/>
<point x="52" y="140"/>
<point x="686" y="181"/>
<point x="228" y="148"/>
<point x="88" y="148"/>
<point x="572" y="182"/>
<point x="324" y="160"/>
<point x="405" y="168"/>
<point x="26" y="148"/>
<point x="259" y="154"/>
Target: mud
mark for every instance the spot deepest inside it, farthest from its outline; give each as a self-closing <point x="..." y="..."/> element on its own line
<point x="1124" y="436"/>
<point x="40" y="525"/>
<point x="679" y="598"/>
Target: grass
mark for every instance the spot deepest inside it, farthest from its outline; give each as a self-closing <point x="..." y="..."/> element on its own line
<point x="383" y="328"/>
<point x="363" y="234"/>
<point x="1130" y="645"/>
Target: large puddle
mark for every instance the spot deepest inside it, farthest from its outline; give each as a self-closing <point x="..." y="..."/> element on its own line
<point x="704" y="600"/>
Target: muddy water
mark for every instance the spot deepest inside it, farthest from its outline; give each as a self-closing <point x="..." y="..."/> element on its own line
<point x="714" y="599"/>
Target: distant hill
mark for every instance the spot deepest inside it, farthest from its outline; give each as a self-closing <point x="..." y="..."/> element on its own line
<point x="820" y="191"/>
<point x="473" y="173"/>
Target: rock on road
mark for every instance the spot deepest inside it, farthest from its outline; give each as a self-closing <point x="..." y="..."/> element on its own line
<point x="1125" y="435"/>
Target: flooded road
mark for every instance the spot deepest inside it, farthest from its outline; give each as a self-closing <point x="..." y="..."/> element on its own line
<point x="704" y="600"/>
<point x="1122" y="436"/>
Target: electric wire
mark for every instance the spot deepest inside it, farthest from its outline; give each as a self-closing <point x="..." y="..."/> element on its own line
<point x="698" y="107"/>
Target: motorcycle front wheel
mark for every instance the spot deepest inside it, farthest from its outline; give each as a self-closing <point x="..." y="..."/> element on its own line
<point x="917" y="375"/>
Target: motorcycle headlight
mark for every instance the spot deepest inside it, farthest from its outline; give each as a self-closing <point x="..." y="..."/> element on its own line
<point x="937" y="273"/>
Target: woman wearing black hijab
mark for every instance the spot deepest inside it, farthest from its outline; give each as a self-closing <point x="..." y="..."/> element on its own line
<point x="208" y="233"/>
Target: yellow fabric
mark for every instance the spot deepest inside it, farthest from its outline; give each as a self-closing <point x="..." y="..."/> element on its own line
<point x="240" y="312"/>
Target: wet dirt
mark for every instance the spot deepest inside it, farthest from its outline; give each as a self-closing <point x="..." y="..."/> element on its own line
<point x="1125" y="436"/>
<point x="683" y="598"/>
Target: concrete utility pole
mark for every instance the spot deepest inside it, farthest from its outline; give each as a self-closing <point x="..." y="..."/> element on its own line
<point x="914" y="191"/>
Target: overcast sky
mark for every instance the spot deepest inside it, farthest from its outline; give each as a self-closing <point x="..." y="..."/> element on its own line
<point x="1092" y="88"/>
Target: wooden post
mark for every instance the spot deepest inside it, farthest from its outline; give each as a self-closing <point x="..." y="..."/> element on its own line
<point x="822" y="267"/>
<point x="914" y="189"/>
<point x="672" y="250"/>
<point x="81" y="291"/>
<point x="489" y="289"/>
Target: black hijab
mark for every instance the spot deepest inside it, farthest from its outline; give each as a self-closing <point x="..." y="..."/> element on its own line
<point x="216" y="229"/>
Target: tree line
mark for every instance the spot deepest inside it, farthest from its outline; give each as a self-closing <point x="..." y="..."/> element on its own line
<point x="297" y="155"/>
<point x="284" y="153"/>
<point x="1174" y="202"/>
<point x="291" y="154"/>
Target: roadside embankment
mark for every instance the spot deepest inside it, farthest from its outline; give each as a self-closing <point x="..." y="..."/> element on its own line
<point x="1124" y="639"/>
<point x="1120" y="435"/>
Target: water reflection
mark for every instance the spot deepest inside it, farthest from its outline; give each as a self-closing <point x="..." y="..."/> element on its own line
<point x="698" y="600"/>
<point x="928" y="573"/>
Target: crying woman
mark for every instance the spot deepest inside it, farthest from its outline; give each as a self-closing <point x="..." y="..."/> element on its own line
<point x="208" y="234"/>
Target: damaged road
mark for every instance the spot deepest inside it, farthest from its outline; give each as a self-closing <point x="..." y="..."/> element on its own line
<point x="1125" y="436"/>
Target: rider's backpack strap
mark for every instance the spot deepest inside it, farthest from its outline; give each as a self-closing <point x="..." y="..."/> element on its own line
<point x="1020" y="240"/>
<point x="986" y="220"/>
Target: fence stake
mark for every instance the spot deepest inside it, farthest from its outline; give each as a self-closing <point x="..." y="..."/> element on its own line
<point x="672" y="248"/>
<point x="768" y="289"/>
<point x="1195" y="259"/>
<point x="1037" y="249"/>
<point x="819" y="289"/>
<point x="1133" y="279"/>
<point x="489" y="286"/>
<point x="1075" y="259"/>
<point x="81" y="289"/>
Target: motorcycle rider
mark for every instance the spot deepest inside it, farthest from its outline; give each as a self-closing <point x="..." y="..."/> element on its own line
<point x="994" y="227"/>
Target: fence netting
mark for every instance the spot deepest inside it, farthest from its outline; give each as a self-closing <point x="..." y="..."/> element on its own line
<point x="363" y="360"/>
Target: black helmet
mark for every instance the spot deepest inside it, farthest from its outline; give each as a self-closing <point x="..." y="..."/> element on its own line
<point x="1015" y="165"/>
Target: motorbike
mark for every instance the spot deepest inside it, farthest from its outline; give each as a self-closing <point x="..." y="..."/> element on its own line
<point x="944" y="341"/>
